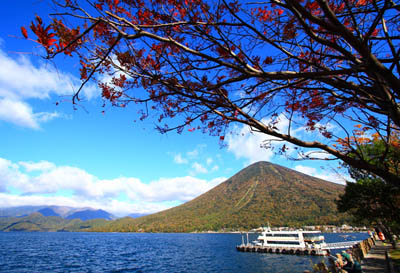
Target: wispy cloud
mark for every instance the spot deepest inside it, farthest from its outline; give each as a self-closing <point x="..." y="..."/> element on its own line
<point x="325" y="174"/>
<point x="21" y="80"/>
<point x="197" y="160"/>
<point x="178" y="159"/>
<point x="244" y="143"/>
<point x="37" y="166"/>
<point x="248" y="144"/>
<point x="198" y="168"/>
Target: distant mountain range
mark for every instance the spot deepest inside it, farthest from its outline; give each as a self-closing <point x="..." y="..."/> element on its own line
<point x="37" y="222"/>
<point x="60" y="211"/>
<point x="259" y="194"/>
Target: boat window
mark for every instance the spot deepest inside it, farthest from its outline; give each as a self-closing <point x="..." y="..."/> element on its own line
<point x="283" y="242"/>
<point x="282" y="235"/>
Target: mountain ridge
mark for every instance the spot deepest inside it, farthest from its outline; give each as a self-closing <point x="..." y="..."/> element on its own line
<point x="65" y="212"/>
<point x="260" y="193"/>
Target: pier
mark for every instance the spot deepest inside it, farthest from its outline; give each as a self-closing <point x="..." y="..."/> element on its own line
<point x="358" y="248"/>
<point x="280" y="250"/>
<point x="296" y="251"/>
<point x="339" y="245"/>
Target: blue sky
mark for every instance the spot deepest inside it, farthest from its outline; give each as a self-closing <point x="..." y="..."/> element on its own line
<point x="55" y="155"/>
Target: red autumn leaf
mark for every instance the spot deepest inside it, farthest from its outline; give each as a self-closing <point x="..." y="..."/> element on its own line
<point x="362" y="2"/>
<point x="24" y="32"/>
<point x="268" y="60"/>
<point x="50" y="42"/>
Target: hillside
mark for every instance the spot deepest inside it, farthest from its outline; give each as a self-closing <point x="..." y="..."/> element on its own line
<point x="38" y="222"/>
<point x="260" y="193"/>
<point x="32" y="222"/>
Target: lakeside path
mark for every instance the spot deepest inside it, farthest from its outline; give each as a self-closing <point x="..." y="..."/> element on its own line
<point x="375" y="260"/>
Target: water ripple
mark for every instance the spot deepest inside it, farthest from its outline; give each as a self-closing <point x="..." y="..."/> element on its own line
<point x="133" y="252"/>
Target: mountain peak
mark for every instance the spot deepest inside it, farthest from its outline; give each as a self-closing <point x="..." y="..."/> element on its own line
<point x="260" y="193"/>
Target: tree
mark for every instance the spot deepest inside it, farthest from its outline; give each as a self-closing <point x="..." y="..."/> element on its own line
<point x="330" y="67"/>
<point x="371" y="198"/>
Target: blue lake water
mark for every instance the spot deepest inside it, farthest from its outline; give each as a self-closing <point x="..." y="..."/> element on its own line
<point x="142" y="252"/>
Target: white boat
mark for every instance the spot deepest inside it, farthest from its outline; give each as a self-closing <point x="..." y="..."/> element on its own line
<point x="308" y="242"/>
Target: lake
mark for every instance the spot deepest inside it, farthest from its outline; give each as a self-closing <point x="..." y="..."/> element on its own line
<point x="142" y="252"/>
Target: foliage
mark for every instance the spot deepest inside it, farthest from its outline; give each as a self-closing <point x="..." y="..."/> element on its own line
<point x="325" y="66"/>
<point x="371" y="198"/>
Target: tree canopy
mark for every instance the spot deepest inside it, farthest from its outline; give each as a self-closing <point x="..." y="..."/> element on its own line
<point x="371" y="198"/>
<point x="330" y="67"/>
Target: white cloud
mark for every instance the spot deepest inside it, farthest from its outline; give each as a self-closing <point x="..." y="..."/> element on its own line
<point x="196" y="152"/>
<point x="10" y="175"/>
<point x="37" y="166"/>
<point x="193" y="154"/>
<point x="198" y="168"/>
<point x="45" y="116"/>
<point x="179" y="188"/>
<point x="17" y="112"/>
<point x="247" y="144"/>
<point x="193" y="157"/>
<point x="323" y="174"/>
<point x="49" y="184"/>
<point x="178" y="159"/>
<point x="21" y="80"/>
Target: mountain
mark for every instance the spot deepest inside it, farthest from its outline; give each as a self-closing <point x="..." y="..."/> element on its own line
<point x="89" y="214"/>
<point x="259" y="194"/>
<point x="20" y="211"/>
<point x="137" y="215"/>
<point x="61" y="211"/>
<point x="32" y="222"/>
<point x="48" y="212"/>
<point x="37" y="222"/>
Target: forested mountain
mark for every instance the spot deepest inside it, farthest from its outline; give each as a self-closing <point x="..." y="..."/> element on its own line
<point x="261" y="193"/>
<point x="37" y="222"/>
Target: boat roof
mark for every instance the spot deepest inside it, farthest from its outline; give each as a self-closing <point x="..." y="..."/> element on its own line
<point x="292" y="231"/>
